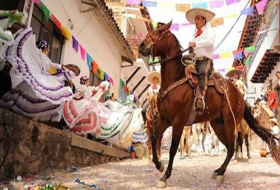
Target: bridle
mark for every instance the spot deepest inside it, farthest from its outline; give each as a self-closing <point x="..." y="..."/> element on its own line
<point x="157" y="38"/>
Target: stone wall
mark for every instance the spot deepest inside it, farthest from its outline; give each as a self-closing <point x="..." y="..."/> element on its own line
<point x="29" y="147"/>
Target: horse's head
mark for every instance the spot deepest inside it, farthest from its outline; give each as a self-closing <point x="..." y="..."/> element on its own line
<point x="157" y="42"/>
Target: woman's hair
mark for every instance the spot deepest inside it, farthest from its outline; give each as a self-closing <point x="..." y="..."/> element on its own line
<point x="83" y="79"/>
<point x="42" y="45"/>
<point x="277" y="72"/>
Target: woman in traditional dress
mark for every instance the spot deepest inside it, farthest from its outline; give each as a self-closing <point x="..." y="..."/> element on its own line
<point x="84" y="112"/>
<point x="35" y="92"/>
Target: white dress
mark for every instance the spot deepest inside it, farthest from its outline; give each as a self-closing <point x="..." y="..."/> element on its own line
<point x="35" y="92"/>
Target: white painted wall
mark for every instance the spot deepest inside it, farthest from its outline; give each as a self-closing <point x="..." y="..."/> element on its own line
<point x="90" y="35"/>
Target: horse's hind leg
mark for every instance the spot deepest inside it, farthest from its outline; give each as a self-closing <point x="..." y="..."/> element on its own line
<point x="225" y="132"/>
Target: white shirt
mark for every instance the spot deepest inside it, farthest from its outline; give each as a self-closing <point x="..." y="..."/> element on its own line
<point x="205" y="43"/>
<point x="275" y="130"/>
<point x="152" y="90"/>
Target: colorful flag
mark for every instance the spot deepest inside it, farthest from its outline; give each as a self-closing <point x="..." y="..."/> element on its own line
<point x="174" y="26"/>
<point x="216" y="3"/>
<point x="217" y="22"/>
<point x="200" y="5"/>
<point x="133" y="2"/>
<point x="111" y="80"/>
<point x="94" y="66"/>
<point x="261" y="6"/>
<point x="248" y="11"/>
<point x="56" y="21"/>
<point x="89" y="59"/>
<point x="182" y="7"/>
<point x="216" y="56"/>
<point x="83" y="52"/>
<point x="149" y="4"/>
<point x="232" y="1"/>
<point x="46" y="11"/>
<point x="75" y="44"/>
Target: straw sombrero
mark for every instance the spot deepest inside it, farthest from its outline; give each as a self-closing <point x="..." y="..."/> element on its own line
<point x="73" y="68"/>
<point x="230" y="73"/>
<point x="192" y="13"/>
<point x="274" y="120"/>
<point x="153" y="75"/>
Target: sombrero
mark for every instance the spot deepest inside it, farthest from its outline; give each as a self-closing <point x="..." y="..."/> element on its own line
<point x="230" y="73"/>
<point x="153" y="75"/>
<point x="73" y="68"/>
<point x="274" y="120"/>
<point x="192" y="13"/>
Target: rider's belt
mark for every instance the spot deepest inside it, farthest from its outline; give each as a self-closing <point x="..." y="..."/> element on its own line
<point x="202" y="58"/>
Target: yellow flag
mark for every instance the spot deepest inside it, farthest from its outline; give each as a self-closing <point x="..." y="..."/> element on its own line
<point x="226" y="54"/>
<point x="154" y="24"/>
<point x="65" y="33"/>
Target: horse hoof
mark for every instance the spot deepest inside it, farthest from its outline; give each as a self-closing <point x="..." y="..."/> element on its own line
<point x="161" y="184"/>
<point x="235" y="160"/>
<point x="214" y="175"/>
<point x="219" y="180"/>
<point x="161" y="167"/>
<point x="249" y="159"/>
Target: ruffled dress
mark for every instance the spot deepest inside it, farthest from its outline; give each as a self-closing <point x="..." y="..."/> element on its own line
<point x="84" y="113"/>
<point x="35" y="92"/>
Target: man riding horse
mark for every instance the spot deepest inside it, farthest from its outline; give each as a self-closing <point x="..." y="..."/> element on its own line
<point x="203" y="46"/>
<point x="154" y="78"/>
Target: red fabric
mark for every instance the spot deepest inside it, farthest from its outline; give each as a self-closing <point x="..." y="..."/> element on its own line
<point x="198" y="32"/>
<point x="272" y="97"/>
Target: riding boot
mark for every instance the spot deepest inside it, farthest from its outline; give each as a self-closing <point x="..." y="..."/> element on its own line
<point x="202" y="85"/>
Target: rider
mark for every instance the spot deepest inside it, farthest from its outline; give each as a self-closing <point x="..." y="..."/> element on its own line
<point x="235" y="74"/>
<point x="203" y="46"/>
<point x="155" y="79"/>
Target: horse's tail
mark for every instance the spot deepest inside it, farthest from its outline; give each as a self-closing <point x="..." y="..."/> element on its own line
<point x="264" y="134"/>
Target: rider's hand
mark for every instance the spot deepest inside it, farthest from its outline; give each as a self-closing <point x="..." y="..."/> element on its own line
<point x="192" y="44"/>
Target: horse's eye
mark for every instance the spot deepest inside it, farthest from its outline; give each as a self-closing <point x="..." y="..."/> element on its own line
<point x="159" y="31"/>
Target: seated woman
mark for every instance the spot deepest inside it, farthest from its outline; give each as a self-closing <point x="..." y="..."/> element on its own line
<point x="35" y="92"/>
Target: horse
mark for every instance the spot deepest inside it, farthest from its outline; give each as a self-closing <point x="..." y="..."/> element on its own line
<point x="185" y="143"/>
<point x="152" y="116"/>
<point x="224" y="104"/>
<point x="242" y="132"/>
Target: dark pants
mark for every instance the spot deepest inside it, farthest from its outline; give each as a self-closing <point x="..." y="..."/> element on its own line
<point x="203" y="68"/>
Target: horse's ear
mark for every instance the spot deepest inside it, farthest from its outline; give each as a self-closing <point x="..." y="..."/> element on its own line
<point x="169" y="24"/>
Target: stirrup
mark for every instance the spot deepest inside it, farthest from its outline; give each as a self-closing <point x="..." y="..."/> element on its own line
<point x="202" y="99"/>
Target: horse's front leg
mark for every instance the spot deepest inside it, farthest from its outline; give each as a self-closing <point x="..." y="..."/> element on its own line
<point x="248" y="147"/>
<point x="176" y="136"/>
<point x="160" y="127"/>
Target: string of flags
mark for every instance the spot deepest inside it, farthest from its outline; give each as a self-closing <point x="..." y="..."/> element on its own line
<point x="92" y="65"/>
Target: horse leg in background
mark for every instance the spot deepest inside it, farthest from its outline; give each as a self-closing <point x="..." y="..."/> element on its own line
<point x="183" y="147"/>
<point x="176" y="136"/>
<point x="202" y="143"/>
<point x="246" y="137"/>
<point x="188" y="142"/>
<point x="225" y="132"/>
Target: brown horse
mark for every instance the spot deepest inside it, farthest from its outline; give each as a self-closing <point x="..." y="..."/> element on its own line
<point x="175" y="102"/>
<point x="152" y="116"/>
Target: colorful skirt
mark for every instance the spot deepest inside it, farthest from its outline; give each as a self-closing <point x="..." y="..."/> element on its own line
<point x="35" y="93"/>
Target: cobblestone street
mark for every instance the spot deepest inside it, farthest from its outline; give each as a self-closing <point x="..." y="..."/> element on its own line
<point x="195" y="173"/>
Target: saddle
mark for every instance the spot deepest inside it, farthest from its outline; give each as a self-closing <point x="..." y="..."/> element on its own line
<point x="215" y="79"/>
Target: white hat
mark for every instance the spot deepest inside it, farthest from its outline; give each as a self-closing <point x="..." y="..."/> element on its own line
<point x="152" y="75"/>
<point x="230" y="73"/>
<point x="192" y="13"/>
<point x="274" y="120"/>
